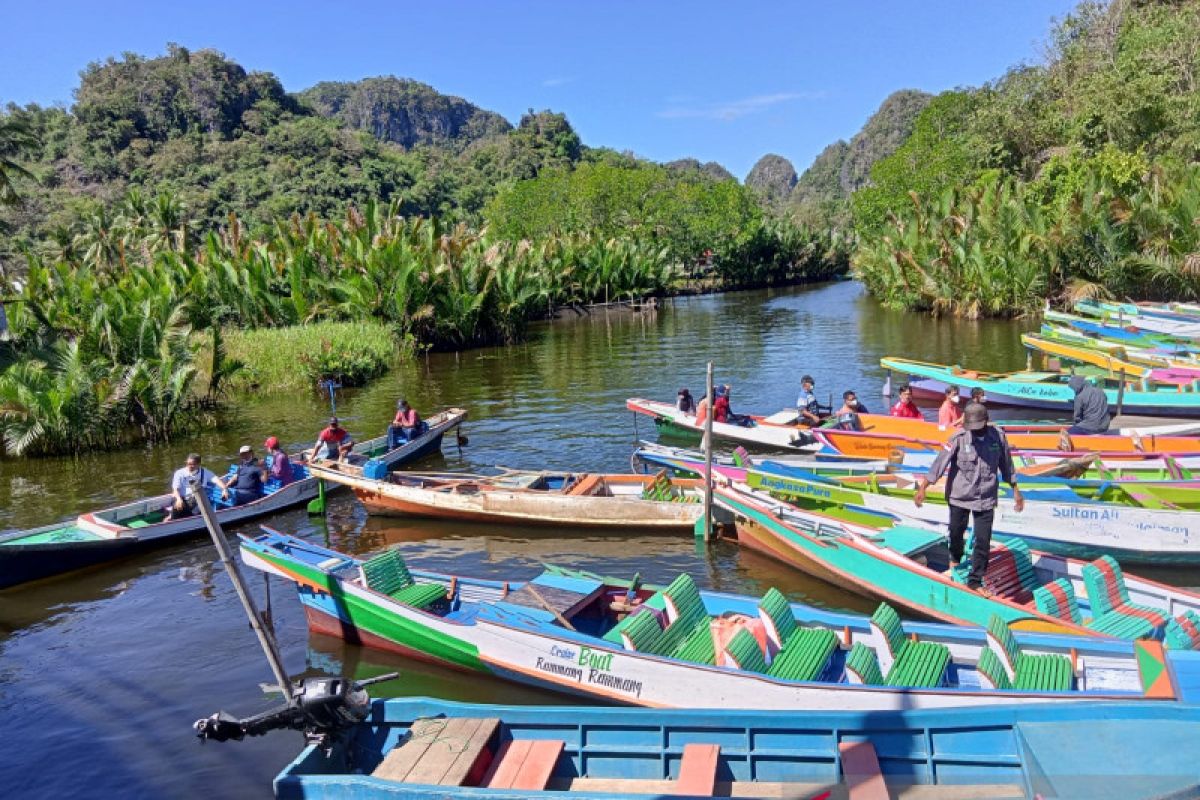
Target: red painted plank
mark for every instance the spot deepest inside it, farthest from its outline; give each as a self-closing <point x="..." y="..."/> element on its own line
<point x="507" y="764"/>
<point x="860" y="768"/>
<point x="698" y="770"/>
<point x="539" y="765"/>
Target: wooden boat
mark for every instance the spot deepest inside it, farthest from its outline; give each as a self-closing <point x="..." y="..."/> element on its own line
<point x="906" y="566"/>
<point x="539" y="498"/>
<point x="1152" y="368"/>
<point x="776" y="432"/>
<point x="690" y="463"/>
<point x="1180" y="325"/>
<point x="1143" y="529"/>
<point x="435" y="749"/>
<point x="101" y="536"/>
<point x="561" y="630"/>
<point x="1120" y="334"/>
<point x="1045" y="390"/>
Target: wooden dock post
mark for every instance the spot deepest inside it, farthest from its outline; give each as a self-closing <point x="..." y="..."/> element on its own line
<point x="265" y="638"/>
<point x="1121" y="392"/>
<point x="708" y="455"/>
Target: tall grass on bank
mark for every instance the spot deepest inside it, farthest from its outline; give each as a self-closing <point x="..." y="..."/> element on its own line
<point x="1001" y="247"/>
<point x="297" y="357"/>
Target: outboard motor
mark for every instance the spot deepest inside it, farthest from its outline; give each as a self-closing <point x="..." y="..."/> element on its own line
<point x="322" y="708"/>
<point x="849" y="421"/>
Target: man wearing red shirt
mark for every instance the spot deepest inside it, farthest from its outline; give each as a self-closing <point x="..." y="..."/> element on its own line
<point x="334" y="442"/>
<point x="904" y="406"/>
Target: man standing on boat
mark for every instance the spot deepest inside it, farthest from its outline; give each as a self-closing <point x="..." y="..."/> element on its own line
<point x="183" y="503"/>
<point x="975" y="458"/>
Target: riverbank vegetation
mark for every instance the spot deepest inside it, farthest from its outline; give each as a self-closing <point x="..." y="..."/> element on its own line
<point x="188" y="230"/>
<point x="1070" y="179"/>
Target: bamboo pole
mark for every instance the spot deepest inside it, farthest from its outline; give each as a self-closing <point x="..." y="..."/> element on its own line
<point x="265" y="638"/>
<point x="708" y="454"/>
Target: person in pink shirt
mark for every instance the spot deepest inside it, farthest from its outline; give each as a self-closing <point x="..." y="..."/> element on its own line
<point x="950" y="413"/>
<point x="904" y="406"/>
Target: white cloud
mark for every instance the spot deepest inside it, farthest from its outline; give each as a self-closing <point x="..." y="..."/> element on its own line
<point x="552" y="82"/>
<point x="727" y="112"/>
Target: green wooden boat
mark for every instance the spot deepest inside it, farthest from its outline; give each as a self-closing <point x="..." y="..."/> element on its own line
<point x="906" y="566"/>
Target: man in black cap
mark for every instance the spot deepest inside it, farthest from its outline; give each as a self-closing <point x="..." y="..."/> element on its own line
<point x="975" y="458"/>
<point x="810" y="409"/>
<point x="333" y="443"/>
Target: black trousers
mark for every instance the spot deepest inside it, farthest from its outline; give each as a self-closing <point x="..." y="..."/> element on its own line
<point x="959" y="517"/>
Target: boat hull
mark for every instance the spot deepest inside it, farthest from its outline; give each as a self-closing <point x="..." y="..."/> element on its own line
<point x="21" y="563"/>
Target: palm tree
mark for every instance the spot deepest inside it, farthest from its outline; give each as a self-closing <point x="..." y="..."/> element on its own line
<point x="16" y="138"/>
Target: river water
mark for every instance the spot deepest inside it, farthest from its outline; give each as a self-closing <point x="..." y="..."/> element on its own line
<point x="102" y="672"/>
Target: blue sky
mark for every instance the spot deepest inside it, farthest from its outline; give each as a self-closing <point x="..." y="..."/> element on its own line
<point x="717" y="81"/>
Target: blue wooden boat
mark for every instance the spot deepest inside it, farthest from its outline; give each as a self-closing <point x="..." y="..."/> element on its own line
<point x="421" y="748"/>
<point x="98" y="537"/>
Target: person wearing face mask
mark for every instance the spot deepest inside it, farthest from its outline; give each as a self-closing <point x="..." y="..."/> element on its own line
<point x="905" y="407"/>
<point x="851" y="404"/>
<point x="974" y="460"/>
<point x="183" y="501"/>
<point x="950" y="414"/>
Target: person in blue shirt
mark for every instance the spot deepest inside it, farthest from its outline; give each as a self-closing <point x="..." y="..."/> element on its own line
<point x="810" y="409"/>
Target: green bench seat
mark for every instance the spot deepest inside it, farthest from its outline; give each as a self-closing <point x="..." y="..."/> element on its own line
<point x="655" y="601"/>
<point x="699" y="647"/>
<point x="1058" y="599"/>
<point x="992" y="674"/>
<point x="908" y="663"/>
<point x="1048" y="672"/>
<point x="1105" y="584"/>
<point x="387" y="573"/>
<point x="805" y="655"/>
<point x="862" y="665"/>
<point x="1183" y="632"/>
<point x="745" y="653"/>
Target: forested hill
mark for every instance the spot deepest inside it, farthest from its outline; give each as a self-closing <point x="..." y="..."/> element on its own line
<point x="219" y="140"/>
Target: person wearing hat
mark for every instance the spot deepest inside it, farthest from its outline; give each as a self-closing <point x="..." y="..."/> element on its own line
<point x="280" y="469"/>
<point x="246" y="480"/>
<point x="334" y="442"/>
<point x="975" y="459"/>
<point x="406" y="426"/>
<point x="810" y="409"/>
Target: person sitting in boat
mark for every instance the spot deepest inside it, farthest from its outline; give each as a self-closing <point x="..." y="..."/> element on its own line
<point x="333" y="443"/>
<point x="183" y="503"/>
<point x="1091" y="408"/>
<point x="685" y="402"/>
<point x="810" y="409"/>
<point x="978" y="396"/>
<point x="246" y="481"/>
<point x="949" y="414"/>
<point x="975" y="459"/>
<point x="281" y="466"/>
<point x="406" y="426"/>
<point x="851" y="404"/>
<point x="905" y="407"/>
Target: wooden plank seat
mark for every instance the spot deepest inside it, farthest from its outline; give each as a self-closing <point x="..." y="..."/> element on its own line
<point x="699" y="647"/>
<point x="861" y="771"/>
<point x="387" y="573"/>
<point x="862" y="666"/>
<point x="1183" y="632"/>
<point x="654" y="604"/>
<point x="1010" y="572"/>
<point x="776" y="614"/>
<point x="698" y="770"/>
<point x="659" y="488"/>
<point x="1047" y="672"/>
<point x="524" y="764"/>
<point x="1105" y="584"/>
<point x="440" y="751"/>
<point x="1057" y="599"/>
<point x="685" y="614"/>
<point x="906" y="662"/>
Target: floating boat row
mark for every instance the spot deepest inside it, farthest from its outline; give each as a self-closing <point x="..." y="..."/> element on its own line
<point x="678" y="646"/>
<point x="99" y="537"/>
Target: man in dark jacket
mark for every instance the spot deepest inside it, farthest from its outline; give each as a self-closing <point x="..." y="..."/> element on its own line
<point x="975" y="458"/>
<point x="1091" y="407"/>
